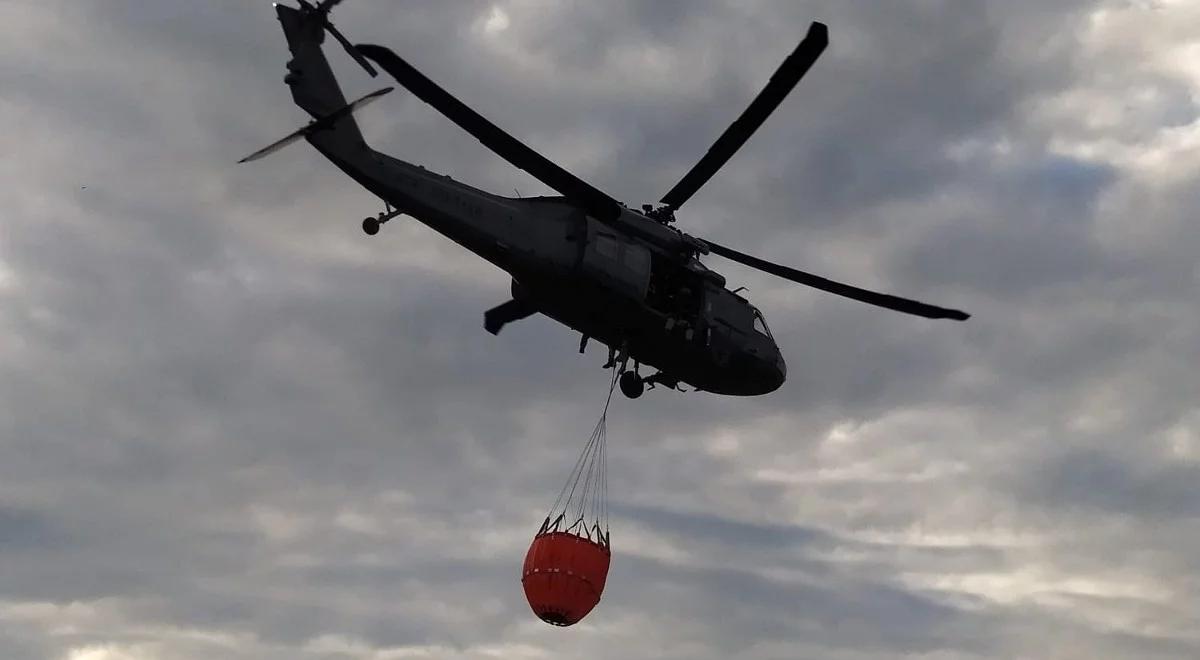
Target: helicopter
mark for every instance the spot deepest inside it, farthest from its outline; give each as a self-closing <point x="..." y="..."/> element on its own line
<point x="625" y="277"/>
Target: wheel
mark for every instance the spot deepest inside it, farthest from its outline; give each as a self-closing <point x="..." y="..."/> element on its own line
<point x="371" y="226"/>
<point x="632" y="384"/>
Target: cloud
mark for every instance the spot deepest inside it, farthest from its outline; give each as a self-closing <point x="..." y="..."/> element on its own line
<point x="235" y="427"/>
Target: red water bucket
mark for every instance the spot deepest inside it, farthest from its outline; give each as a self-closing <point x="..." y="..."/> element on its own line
<point x="564" y="576"/>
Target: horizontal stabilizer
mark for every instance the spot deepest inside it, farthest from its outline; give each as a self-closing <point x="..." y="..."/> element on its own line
<point x="321" y="123"/>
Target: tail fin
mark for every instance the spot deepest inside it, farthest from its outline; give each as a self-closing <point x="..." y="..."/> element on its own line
<point x="314" y="87"/>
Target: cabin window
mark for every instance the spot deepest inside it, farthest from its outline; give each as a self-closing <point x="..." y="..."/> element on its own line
<point x="607" y="246"/>
<point x="637" y="259"/>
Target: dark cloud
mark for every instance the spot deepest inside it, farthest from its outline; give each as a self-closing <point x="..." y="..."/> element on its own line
<point x="234" y="427"/>
<point x="25" y="530"/>
<point x="1098" y="481"/>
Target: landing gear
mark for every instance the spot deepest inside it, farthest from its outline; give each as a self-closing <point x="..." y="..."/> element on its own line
<point x="371" y="225"/>
<point x="661" y="378"/>
<point x="632" y="385"/>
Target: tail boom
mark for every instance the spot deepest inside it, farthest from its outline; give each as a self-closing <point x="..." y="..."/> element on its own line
<point x="314" y="87"/>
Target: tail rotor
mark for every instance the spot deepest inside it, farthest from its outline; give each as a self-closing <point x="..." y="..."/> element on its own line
<point x="321" y="12"/>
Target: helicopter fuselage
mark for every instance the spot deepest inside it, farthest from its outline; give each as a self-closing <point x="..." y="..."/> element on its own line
<point x="625" y="284"/>
<point x="623" y="291"/>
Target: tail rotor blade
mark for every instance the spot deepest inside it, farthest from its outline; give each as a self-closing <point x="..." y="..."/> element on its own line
<point x="350" y="49"/>
<point x="321" y="11"/>
<point x="884" y="300"/>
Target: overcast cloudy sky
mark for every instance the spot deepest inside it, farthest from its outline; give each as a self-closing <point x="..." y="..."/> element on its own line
<point x="233" y="426"/>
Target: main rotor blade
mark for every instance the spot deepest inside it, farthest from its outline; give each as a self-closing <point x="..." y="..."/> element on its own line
<point x="597" y="204"/>
<point x="782" y="81"/>
<point x="862" y="295"/>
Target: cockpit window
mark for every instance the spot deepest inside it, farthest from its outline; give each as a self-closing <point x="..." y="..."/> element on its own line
<point x="760" y="324"/>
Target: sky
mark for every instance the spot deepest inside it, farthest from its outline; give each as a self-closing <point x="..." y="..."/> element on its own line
<point x="234" y="426"/>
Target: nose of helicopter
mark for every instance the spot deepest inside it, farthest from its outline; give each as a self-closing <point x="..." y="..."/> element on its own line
<point x="767" y="373"/>
<point x="748" y="374"/>
<point x="776" y="372"/>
